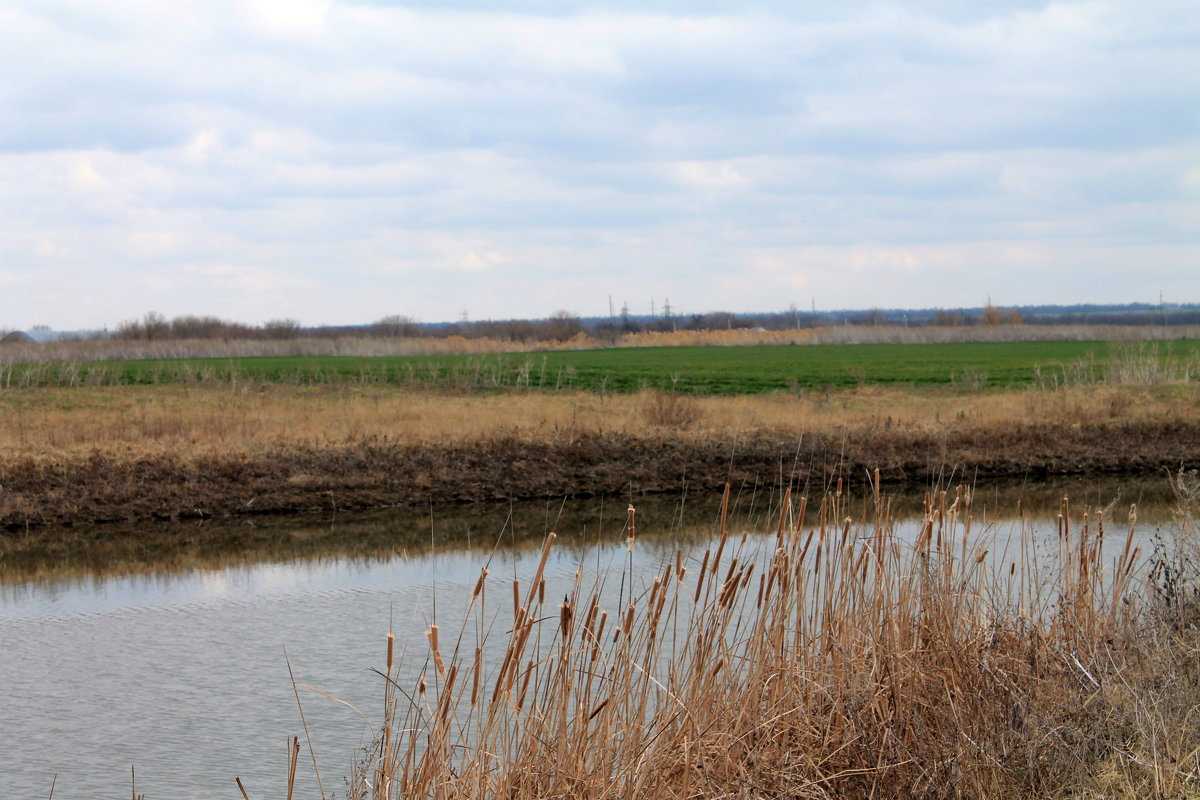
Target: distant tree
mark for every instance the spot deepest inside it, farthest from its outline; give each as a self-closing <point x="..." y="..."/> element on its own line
<point x="396" y="325"/>
<point x="194" y="327"/>
<point x="949" y="318"/>
<point x="874" y="317"/>
<point x="152" y="325"/>
<point x="562" y="325"/>
<point x="281" y="328"/>
<point x="991" y="315"/>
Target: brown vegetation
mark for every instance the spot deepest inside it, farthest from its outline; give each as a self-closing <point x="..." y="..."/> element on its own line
<point x="129" y="453"/>
<point x="394" y="337"/>
<point x="843" y="662"/>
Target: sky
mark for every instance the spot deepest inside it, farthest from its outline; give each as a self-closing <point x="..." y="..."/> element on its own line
<point x="339" y="162"/>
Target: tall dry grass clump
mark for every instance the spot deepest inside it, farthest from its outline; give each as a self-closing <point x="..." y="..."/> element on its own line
<point x="670" y="410"/>
<point x="847" y="662"/>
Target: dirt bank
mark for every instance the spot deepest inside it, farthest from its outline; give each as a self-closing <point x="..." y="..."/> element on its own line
<point x="377" y="472"/>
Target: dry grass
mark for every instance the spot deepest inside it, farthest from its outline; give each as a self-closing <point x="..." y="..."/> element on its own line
<point x="843" y="662"/>
<point x="366" y="346"/>
<point x="195" y="420"/>
<point x="892" y="334"/>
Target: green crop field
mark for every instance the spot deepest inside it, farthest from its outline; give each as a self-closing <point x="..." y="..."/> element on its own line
<point x="708" y="370"/>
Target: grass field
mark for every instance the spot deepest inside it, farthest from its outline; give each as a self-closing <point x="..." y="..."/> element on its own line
<point x="698" y="370"/>
<point x="163" y="439"/>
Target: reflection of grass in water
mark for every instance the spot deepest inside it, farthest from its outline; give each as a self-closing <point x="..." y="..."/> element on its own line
<point x="845" y="664"/>
<point x="113" y="550"/>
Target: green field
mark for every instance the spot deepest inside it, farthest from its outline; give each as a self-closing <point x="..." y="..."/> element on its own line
<point x="706" y="370"/>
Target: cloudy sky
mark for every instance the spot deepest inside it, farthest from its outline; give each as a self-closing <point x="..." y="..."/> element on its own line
<point x="336" y="162"/>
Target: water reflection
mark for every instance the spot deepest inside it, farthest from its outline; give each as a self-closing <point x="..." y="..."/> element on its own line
<point x="53" y="558"/>
<point x="170" y="656"/>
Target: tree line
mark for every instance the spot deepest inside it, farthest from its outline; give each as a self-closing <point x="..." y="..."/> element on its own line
<point x="563" y="325"/>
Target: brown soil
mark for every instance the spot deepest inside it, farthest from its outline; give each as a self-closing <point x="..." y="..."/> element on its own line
<point x="377" y="472"/>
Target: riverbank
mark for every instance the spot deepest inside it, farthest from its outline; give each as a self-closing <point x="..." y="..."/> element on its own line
<point x="168" y="453"/>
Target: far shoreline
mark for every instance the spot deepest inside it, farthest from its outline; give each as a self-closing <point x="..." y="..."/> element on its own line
<point x="297" y="479"/>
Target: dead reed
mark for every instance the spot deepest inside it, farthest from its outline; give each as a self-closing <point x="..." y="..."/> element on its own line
<point x="76" y="352"/>
<point x="844" y="661"/>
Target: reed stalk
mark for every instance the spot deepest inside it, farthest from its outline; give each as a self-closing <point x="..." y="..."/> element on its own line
<point x="840" y="660"/>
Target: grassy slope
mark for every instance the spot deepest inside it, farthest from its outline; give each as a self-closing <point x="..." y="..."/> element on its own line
<point x="147" y="452"/>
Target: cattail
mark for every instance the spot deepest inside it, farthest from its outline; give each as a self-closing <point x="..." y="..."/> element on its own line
<point x="508" y="660"/>
<point x="783" y="509"/>
<point x="728" y="590"/>
<point x="537" y="576"/>
<point x="590" y="620"/>
<point x="724" y="510"/>
<point x="479" y="583"/>
<point x="475" y="677"/>
<point x="599" y="707"/>
<point x="629" y="541"/>
<point x="432" y="636"/>
<point x="564" y="620"/>
<point x="824" y="518"/>
<point x="295" y="753"/>
<point x="748" y="573"/>
<point x="804" y="550"/>
<point x="448" y="692"/>
<point x="525" y="684"/>
<point x="1129" y="538"/>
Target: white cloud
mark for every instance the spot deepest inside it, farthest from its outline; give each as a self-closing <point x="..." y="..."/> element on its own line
<point x="289" y="17"/>
<point x="341" y="160"/>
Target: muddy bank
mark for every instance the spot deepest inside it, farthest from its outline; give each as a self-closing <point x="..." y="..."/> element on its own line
<point x="377" y="473"/>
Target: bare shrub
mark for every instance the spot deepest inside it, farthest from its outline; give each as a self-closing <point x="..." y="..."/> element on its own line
<point x="281" y="328"/>
<point x="670" y="410"/>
